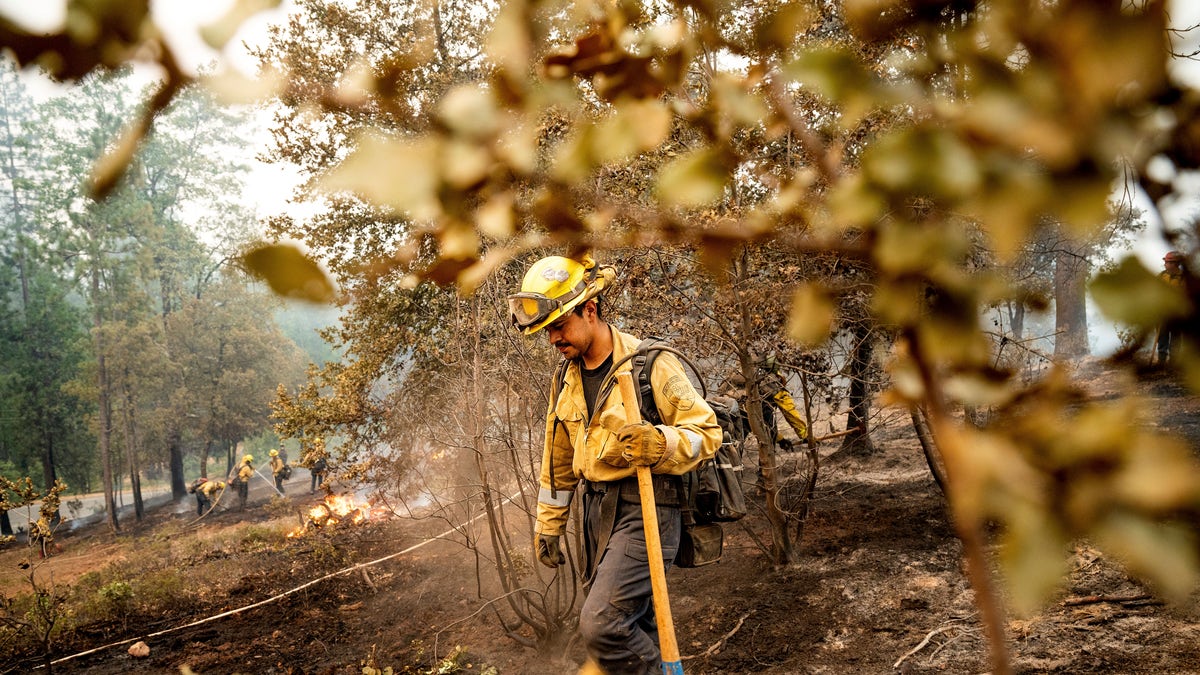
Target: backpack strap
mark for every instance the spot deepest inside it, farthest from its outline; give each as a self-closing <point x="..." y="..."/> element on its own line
<point x="640" y="366"/>
<point x="556" y="386"/>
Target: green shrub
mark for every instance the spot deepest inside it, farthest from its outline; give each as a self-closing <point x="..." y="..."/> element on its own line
<point x="117" y="600"/>
<point x="162" y="590"/>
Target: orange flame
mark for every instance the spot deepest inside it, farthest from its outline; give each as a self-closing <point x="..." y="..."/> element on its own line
<point x="334" y="510"/>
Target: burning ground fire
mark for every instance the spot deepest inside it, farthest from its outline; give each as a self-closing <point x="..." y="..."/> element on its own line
<point x="337" y="510"/>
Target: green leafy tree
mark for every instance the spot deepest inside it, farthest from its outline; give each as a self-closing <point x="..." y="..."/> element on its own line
<point x="998" y="136"/>
<point x="921" y="130"/>
<point x="231" y="361"/>
<point x="43" y="345"/>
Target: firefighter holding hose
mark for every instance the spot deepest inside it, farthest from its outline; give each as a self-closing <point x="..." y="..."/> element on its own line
<point x="244" y="473"/>
<point x="590" y="448"/>
<point x="279" y="470"/>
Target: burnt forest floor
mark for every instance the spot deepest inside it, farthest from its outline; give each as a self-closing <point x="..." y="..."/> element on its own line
<point x="878" y="587"/>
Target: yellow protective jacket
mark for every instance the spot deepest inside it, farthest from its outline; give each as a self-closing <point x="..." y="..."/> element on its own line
<point x="276" y="465"/>
<point x="1175" y="279"/>
<point x="574" y="443"/>
<point x="210" y="488"/>
<point x="245" y="473"/>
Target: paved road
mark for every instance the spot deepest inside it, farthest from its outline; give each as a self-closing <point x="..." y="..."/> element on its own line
<point x="78" y="510"/>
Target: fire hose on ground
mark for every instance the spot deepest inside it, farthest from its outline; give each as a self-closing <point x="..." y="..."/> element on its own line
<point x="274" y="598"/>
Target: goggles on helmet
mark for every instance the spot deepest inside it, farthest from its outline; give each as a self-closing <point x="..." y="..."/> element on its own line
<point x="531" y="308"/>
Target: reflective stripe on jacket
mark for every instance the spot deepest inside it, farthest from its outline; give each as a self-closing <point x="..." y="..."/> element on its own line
<point x="574" y="443"/>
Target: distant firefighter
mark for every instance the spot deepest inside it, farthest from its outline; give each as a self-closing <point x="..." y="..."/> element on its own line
<point x="279" y="469"/>
<point x="206" y="491"/>
<point x="244" y="473"/>
<point x="317" y="465"/>
<point x="1167" y="342"/>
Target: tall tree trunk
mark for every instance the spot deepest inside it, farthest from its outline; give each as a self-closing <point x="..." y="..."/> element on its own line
<point x="135" y="478"/>
<point x="1016" y="319"/>
<point x="783" y="550"/>
<point x="175" y="453"/>
<point x="439" y="37"/>
<point x="204" y="454"/>
<point x="1070" y="309"/>
<point x="105" y="409"/>
<point x="858" y="370"/>
<point x="49" y="473"/>
<point x="212" y="409"/>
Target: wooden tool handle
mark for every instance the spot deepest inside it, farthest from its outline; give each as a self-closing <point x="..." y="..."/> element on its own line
<point x="667" y="644"/>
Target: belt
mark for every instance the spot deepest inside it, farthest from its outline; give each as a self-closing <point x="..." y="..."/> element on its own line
<point x="667" y="488"/>
<point x="605" y="497"/>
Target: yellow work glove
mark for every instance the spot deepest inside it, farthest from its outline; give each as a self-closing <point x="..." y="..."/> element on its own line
<point x="547" y="549"/>
<point x="642" y="444"/>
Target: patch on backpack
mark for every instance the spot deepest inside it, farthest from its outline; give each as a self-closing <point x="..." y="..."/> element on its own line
<point x="680" y="393"/>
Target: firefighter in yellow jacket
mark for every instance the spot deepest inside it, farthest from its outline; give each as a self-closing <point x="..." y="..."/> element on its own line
<point x="775" y="392"/>
<point x="590" y="449"/>
<point x="1169" y="333"/>
<point x="244" y="473"/>
<point x="278" y="469"/>
<point x="207" y="493"/>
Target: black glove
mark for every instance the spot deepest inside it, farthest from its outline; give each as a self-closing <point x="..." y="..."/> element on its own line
<point x="547" y="549"/>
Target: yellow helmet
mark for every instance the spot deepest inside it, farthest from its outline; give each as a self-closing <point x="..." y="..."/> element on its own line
<point x="554" y="286"/>
<point x="274" y="452"/>
<point x="220" y="485"/>
<point x="248" y="459"/>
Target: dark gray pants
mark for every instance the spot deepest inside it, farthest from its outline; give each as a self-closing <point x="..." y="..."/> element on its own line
<point x="617" y="620"/>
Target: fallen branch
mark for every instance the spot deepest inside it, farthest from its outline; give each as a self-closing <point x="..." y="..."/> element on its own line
<point x="367" y="578"/>
<point x="719" y="644"/>
<point x="837" y="434"/>
<point x="1097" y="599"/>
<point x="919" y="647"/>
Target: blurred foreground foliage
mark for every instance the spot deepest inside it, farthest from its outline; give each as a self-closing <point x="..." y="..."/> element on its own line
<point x="929" y="142"/>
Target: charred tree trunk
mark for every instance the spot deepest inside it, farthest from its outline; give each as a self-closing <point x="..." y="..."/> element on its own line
<point x="175" y="452"/>
<point x="1070" y="309"/>
<point x="204" y="454"/>
<point x="858" y="416"/>
<point x="49" y="473"/>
